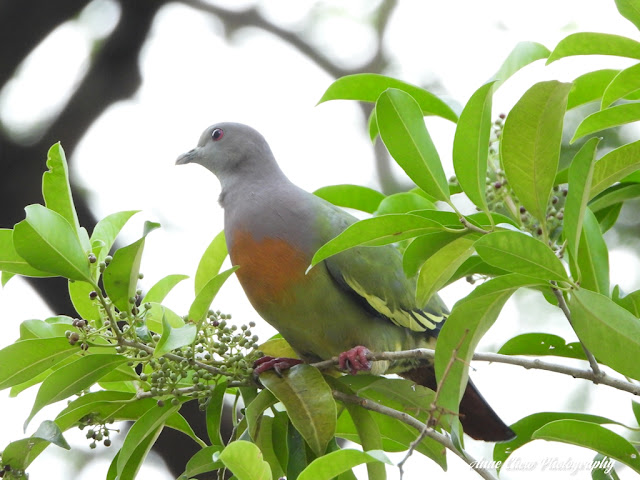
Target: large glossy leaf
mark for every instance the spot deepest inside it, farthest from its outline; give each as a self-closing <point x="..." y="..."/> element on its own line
<point x="469" y="320"/>
<point x="520" y="253"/>
<point x="625" y="82"/>
<point x="608" y="330"/>
<point x="26" y="359"/>
<point x="614" y="166"/>
<point x="590" y="43"/>
<point x="471" y="145"/>
<point x="377" y="231"/>
<point x="630" y="9"/>
<point x="309" y="403"/>
<point x="211" y="261"/>
<point x="72" y="378"/>
<point x="55" y="186"/>
<point x="527" y="426"/>
<point x="106" y="231"/>
<point x="367" y="87"/>
<point x="148" y="424"/>
<point x="580" y="175"/>
<point x="351" y="196"/>
<point x="540" y="344"/>
<point x="593" y="260"/>
<point x="589" y="87"/>
<point x="436" y="271"/>
<point x="593" y="436"/>
<point x="11" y="262"/>
<point x="244" y="459"/>
<point x="335" y="463"/>
<point x="522" y="55"/>
<point x="121" y="276"/>
<point x="608" y="118"/>
<point x="49" y="243"/>
<point x="200" y="306"/>
<point x="530" y="145"/>
<point x="162" y="287"/>
<point x="403" y="131"/>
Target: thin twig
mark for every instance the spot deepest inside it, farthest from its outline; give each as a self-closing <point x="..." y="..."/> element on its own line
<point x="414" y="423"/>
<point x="565" y="309"/>
<point x="519" y="360"/>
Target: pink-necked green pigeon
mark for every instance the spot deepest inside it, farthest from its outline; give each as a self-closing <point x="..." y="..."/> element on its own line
<point x="356" y="301"/>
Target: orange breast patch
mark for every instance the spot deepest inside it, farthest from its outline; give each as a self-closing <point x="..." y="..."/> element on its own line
<point x="269" y="268"/>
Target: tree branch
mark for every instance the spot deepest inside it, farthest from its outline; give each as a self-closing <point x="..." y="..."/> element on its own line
<point x="519" y="360"/>
<point x="414" y="423"/>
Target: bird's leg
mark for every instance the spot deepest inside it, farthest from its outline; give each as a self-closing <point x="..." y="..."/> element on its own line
<point x="277" y="364"/>
<point x="355" y="360"/>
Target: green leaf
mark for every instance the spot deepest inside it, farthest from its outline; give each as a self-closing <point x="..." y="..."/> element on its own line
<point x="580" y="175"/>
<point x="72" y="378"/>
<point x="377" y="231"/>
<point x="244" y="459"/>
<point x="152" y="421"/>
<point x="367" y="87"/>
<point x="160" y="289"/>
<point x="614" y="166"/>
<point x="107" y="230"/>
<point x="593" y="436"/>
<point x="121" y="275"/>
<point x="527" y="426"/>
<point x="593" y="260"/>
<point x="200" y="306"/>
<point x="254" y="411"/>
<point x="173" y="338"/>
<point x="630" y="9"/>
<point x="351" y="196"/>
<point x="436" y="271"/>
<point x="471" y="145"/>
<point x="11" y="262"/>
<point x="85" y="306"/>
<point x="211" y="261"/>
<point x="49" y="243"/>
<point x="590" y="43"/>
<point x="335" y="463"/>
<point x="157" y="314"/>
<point x="625" y="82"/>
<point x="541" y="344"/>
<point x="309" y="403"/>
<point x="56" y="189"/>
<point x="608" y="330"/>
<point x="214" y="412"/>
<point x="469" y="320"/>
<point x="589" y="87"/>
<point x="608" y="118"/>
<point x="403" y="131"/>
<point x="23" y="360"/>
<point x="202" y="462"/>
<point x="403" y="202"/>
<point x="530" y="145"/>
<point x="520" y="253"/>
<point x="614" y="195"/>
<point x="522" y="55"/>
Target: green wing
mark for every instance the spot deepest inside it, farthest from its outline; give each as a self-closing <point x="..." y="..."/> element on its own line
<point x="375" y="276"/>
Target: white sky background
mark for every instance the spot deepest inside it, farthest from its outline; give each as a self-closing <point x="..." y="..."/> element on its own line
<point x="193" y="78"/>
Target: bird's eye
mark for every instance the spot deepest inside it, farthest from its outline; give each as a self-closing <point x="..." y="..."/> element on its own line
<point x="217" y="134"/>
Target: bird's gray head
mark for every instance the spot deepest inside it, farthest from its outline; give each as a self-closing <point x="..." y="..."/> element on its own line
<point x="231" y="150"/>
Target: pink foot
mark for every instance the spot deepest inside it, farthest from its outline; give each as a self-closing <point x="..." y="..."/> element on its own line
<point x="276" y="364"/>
<point x="355" y="360"/>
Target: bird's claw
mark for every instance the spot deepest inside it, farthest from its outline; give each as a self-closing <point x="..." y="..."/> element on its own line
<point x="277" y="364"/>
<point x="355" y="360"/>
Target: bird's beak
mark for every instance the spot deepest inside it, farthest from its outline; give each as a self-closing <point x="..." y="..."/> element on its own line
<point x="186" y="157"/>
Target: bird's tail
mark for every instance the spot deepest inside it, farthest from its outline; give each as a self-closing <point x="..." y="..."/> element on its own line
<point x="478" y="419"/>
